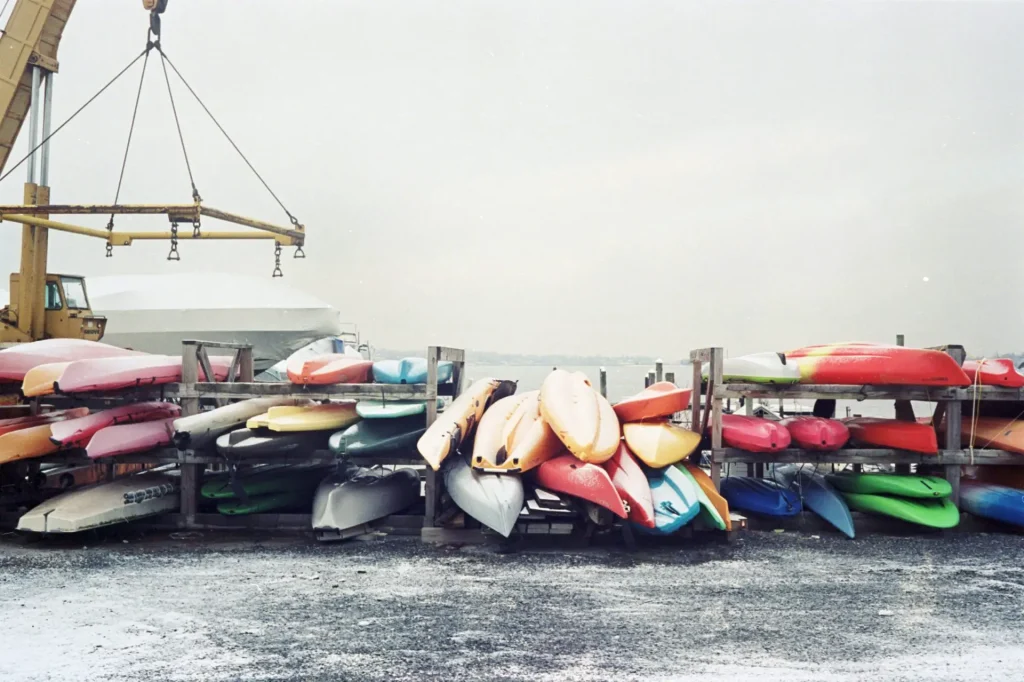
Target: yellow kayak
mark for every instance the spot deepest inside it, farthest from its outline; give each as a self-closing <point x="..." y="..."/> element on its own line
<point x="488" y="444"/>
<point x="457" y="422"/>
<point x="262" y="421"/>
<point x="581" y="418"/>
<point x="528" y="440"/>
<point x="40" y="379"/>
<point x="331" y="416"/>
<point x="659" y="444"/>
<point x="26" y="443"/>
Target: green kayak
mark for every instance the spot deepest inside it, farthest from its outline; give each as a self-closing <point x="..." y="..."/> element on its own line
<point x="276" y="480"/>
<point x="375" y="436"/>
<point x="392" y="409"/>
<point x="708" y="514"/>
<point x="934" y="513"/>
<point x="266" y="503"/>
<point x="891" y="484"/>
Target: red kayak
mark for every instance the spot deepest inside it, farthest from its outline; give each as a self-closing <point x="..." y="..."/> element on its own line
<point x="816" y="433"/>
<point x="567" y="474"/>
<point x="659" y="400"/>
<point x="125" y="439"/>
<point x="112" y="374"/>
<point x="994" y="372"/>
<point x="753" y="434"/>
<point x="75" y="433"/>
<point x="876" y="364"/>
<point x="632" y="486"/>
<point x="332" y="368"/>
<point x="892" y="433"/>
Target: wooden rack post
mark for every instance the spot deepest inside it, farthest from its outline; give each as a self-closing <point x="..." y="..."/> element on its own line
<point x="433" y="485"/>
<point x="712" y="356"/>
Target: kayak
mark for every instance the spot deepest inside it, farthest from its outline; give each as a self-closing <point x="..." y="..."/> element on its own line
<point x="251" y="443"/>
<point x="330" y="368"/>
<point x="409" y="371"/>
<point x="201" y="430"/>
<point x="760" y="496"/>
<point x="893" y="433"/>
<point x="632" y="486"/>
<point x="676" y="501"/>
<point x="265" y="480"/>
<point x="710" y="491"/>
<point x="753" y="434"/>
<point x="42" y="379"/>
<point x="816" y="433"/>
<point x="759" y="368"/>
<point x="709" y="512"/>
<point x="662" y="399"/>
<point x="528" y="439"/>
<point x="933" y="513"/>
<point x="488" y="443"/>
<point x="18" y="423"/>
<point x="876" y="364"/>
<point x="117" y="373"/>
<point x="901" y="485"/>
<point x="996" y="502"/>
<point x="993" y="432"/>
<point x="329" y="416"/>
<point x="457" y="423"/>
<point x="994" y="372"/>
<point x="285" y="499"/>
<point x="17" y="360"/>
<point x="356" y="496"/>
<point x="75" y="433"/>
<point x="495" y="500"/>
<point x="587" y="481"/>
<point x="582" y="418"/>
<point x="818" y="495"/>
<point x="660" y="444"/>
<point x="392" y="409"/>
<point x="27" y="443"/>
<point x="374" y="436"/>
<point x="125" y="439"/>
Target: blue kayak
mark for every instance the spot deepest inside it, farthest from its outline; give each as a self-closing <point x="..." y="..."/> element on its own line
<point x="759" y="496"/>
<point x="675" y="499"/>
<point x="409" y="371"/>
<point x="989" y="501"/>
<point x="822" y="499"/>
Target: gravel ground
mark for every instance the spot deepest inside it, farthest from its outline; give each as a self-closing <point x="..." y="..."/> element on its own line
<point x="766" y="607"/>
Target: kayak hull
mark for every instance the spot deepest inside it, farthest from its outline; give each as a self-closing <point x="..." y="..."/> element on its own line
<point x="993" y="432"/>
<point x="995" y="502"/>
<point x="710" y="491"/>
<point x="816" y="433"/>
<point x="358" y="496"/>
<point x="202" y="430"/>
<point x="878" y="365"/>
<point x="632" y="486"/>
<point x="495" y="500"/>
<point x="457" y="423"/>
<point x="893" y="433"/>
<point x="994" y="372"/>
<point x="330" y="368"/>
<point x="118" y="373"/>
<point x="932" y="513"/>
<point x="17" y="360"/>
<point x="242" y="443"/>
<point x="582" y="419"/>
<point x="902" y="485"/>
<point x="375" y="436"/>
<point x="753" y="434"/>
<point x="660" y="400"/>
<point x="759" y="496"/>
<point x="75" y="433"/>
<point x="759" y="368"/>
<point x="587" y="481"/>
<point x="124" y="439"/>
<point x="660" y="444"/>
<point x="409" y="371"/>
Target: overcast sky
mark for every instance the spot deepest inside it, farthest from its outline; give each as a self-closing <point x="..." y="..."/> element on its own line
<point x="582" y="177"/>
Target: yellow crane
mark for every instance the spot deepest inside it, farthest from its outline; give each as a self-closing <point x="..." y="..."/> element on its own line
<point x="45" y="305"/>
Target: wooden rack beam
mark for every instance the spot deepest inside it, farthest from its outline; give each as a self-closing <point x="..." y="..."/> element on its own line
<point x="868" y="456"/>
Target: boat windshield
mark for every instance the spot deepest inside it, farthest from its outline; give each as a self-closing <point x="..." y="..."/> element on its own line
<point x="74" y="293"/>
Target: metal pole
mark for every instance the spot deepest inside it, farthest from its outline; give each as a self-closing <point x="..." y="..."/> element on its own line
<point x="44" y="164"/>
<point x="33" y="124"/>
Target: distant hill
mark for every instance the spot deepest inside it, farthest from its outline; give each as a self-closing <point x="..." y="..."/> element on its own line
<point x="488" y="358"/>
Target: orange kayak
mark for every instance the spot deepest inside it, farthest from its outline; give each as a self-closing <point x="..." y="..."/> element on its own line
<point x="26" y="444"/>
<point x="995" y="372"/>
<point x="332" y="368"/>
<point x="18" y="423"/>
<point x="892" y="433"/>
<point x="529" y="440"/>
<point x="876" y="364"/>
<point x="993" y="432"/>
<point x="662" y="399"/>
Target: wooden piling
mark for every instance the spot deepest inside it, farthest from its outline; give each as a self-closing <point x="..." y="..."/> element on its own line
<point x="602" y="378"/>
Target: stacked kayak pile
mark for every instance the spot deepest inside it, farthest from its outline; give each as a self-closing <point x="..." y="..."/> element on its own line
<point x="921" y="500"/>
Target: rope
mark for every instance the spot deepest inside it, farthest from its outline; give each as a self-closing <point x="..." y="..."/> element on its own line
<point x="181" y="137"/>
<point x="72" y="116"/>
<point x="167" y="59"/>
<point x="131" y="130"/>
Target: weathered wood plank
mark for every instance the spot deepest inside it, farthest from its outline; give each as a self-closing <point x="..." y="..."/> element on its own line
<point x="810" y="392"/>
<point x="333" y="392"/>
<point x="700" y="355"/>
<point x="602" y="380"/>
<point x="216" y="344"/>
<point x="191" y="474"/>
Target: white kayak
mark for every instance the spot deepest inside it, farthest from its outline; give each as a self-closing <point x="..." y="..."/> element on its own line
<point x="356" y="496"/>
<point x="758" y="368"/>
<point x="201" y="430"/>
<point x="494" y="500"/>
<point x="104" y="504"/>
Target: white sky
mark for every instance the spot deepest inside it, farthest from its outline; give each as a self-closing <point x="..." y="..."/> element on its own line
<point x="598" y="177"/>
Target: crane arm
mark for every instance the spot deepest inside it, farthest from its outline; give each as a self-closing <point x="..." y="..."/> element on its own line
<point x="31" y="37"/>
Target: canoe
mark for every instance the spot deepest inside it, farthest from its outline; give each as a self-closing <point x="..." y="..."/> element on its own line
<point x="75" y="433"/>
<point x="587" y="481"/>
<point x="660" y="444"/>
<point x="993" y="432"/>
<point x="113" y="374"/>
<point x="759" y="496"/>
<point x="375" y="436"/>
<point x="933" y="513"/>
<point x="994" y="372"/>
<point x="392" y="409"/>
<point x="488" y="442"/>
<point x="529" y="440"/>
<point x="753" y="434"/>
<point x="257" y="504"/>
<point x="104" y="504"/>
<point x="124" y="439"/>
<point x="816" y="433"/>
<point x="632" y="486"/>
<point x="28" y="443"/>
<point x="17" y="360"/>
<point x="876" y="364"/>
<point x="495" y="500"/>
<point x="17" y="423"/>
<point x="662" y="399"/>
<point x="818" y="495"/>
<point x="242" y="443"/>
<point x="996" y="502"/>
<point x="201" y="430"/>
<point x="459" y="420"/>
<point x="265" y="480"/>
<point x="758" y="368"/>
<point x="901" y="485"/>
<point x="409" y="371"/>
<point x="331" y="368"/>
<point x="893" y="433"/>
<point x="356" y="496"/>
<point x="326" y="417"/>
<point x="582" y="418"/>
<point x="675" y="498"/>
<point x="709" y="509"/>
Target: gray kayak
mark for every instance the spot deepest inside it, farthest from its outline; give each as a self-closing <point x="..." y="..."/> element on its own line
<point x="355" y="496"/>
<point x="494" y="500"/>
<point x="266" y="443"/>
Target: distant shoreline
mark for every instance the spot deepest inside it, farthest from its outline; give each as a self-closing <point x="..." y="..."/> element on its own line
<point x="510" y="360"/>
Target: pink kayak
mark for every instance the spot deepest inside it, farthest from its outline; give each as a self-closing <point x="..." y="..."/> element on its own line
<point x="753" y="434"/>
<point x="817" y="433"/>
<point x="20" y="358"/>
<point x="111" y="374"/>
<point x="125" y="439"/>
<point x="75" y="433"/>
<point x="633" y="487"/>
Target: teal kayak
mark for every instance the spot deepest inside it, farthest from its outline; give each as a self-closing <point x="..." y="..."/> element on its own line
<point x="392" y="409"/>
<point x="374" y="436"/>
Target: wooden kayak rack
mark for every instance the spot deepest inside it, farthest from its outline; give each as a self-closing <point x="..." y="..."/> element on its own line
<point x="948" y="401"/>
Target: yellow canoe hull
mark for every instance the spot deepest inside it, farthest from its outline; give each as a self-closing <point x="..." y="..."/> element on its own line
<point x="660" y="444"/>
<point x="40" y="379"/>
<point x="290" y="418"/>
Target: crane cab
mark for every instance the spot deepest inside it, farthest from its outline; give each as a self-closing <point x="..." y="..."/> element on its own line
<point x="66" y="312"/>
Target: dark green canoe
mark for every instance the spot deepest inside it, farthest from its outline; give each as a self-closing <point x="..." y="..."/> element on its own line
<point x="260" y="482"/>
<point x="376" y="436"/>
<point x="267" y="503"/>
<point x="933" y="513"/>
<point x="891" y="484"/>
